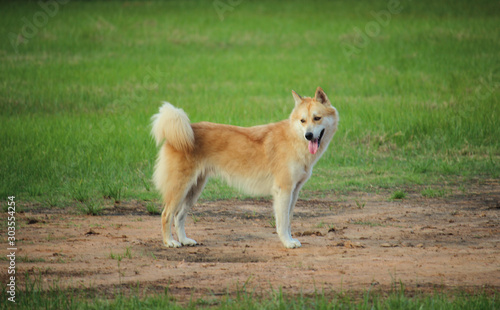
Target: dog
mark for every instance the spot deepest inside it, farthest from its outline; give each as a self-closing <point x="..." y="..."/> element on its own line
<point x="274" y="159"/>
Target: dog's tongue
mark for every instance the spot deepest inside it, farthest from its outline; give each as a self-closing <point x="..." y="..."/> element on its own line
<point x="313" y="146"/>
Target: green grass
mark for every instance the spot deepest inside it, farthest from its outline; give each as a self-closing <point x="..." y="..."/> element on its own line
<point x="91" y="207"/>
<point x="152" y="208"/>
<point x="33" y="297"/>
<point x="434" y="193"/>
<point x="418" y="101"/>
<point x="119" y="257"/>
<point x="399" y="194"/>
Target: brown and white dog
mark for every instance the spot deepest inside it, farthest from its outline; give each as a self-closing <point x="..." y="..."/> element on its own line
<point x="274" y="159"/>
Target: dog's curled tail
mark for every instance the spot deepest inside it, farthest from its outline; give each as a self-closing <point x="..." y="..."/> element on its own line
<point x="172" y="125"/>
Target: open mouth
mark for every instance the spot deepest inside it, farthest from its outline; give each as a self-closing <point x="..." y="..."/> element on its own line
<point x="315" y="143"/>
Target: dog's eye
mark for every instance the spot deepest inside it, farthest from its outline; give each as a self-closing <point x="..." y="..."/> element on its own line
<point x="302" y="121"/>
<point x="317" y="118"/>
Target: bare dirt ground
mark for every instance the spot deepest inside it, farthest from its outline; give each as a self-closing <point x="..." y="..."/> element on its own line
<point x="349" y="243"/>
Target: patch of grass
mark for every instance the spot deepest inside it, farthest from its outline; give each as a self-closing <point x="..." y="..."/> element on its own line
<point x="152" y="208"/>
<point x="434" y="193"/>
<point x="128" y="252"/>
<point x="360" y="204"/>
<point x="91" y="207"/>
<point x="320" y="224"/>
<point x="272" y="223"/>
<point x="120" y="257"/>
<point x="112" y="191"/>
<point x="399" y="194"/>
<point x="35" y="297"/>
<point x="53" y="201"/>
<point x="81" y="192"/>
<point x="35" y="190"/>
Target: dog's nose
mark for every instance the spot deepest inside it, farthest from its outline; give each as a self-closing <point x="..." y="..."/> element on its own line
<point x="309" y="136"/>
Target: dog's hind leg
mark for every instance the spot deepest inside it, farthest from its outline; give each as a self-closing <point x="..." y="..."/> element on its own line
<point x="176" y="188"/>
<point x="166" y="225"/>
<point x="171" y="208"/>
<point x="190" y="199"/>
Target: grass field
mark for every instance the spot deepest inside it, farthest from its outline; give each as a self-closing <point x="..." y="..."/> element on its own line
<point x="416" y="84"/>
<point x="419" y="102"/>
<point x="244" y="299"/>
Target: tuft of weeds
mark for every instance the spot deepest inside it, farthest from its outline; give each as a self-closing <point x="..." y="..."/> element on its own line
<point x="128" y="252"/>
<point x="360" y="204"/>
<point x="272" y="223"/>
<point x="92" y="207"/>
<point x="35" y="190"/>
<point x="81" y="192"/>
<point x="120" y="257"/>
<point x="320" y="224"/>
<point x="399" y="194"/>
<point x="52" y="201"/>
<point x="112" y="191"/>
<point x="434" y="193"/>
<point x="152" y="208"/>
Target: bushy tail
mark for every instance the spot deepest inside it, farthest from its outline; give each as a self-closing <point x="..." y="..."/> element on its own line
<point x="172" y="125"/>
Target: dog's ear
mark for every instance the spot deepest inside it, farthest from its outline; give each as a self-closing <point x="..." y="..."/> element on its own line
<point x="321" y="97"/>
<point x="297" y="98"/>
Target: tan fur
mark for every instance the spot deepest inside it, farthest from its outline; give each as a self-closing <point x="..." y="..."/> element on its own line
<point x="269" y="159"/>
<point x="172" y="125"/>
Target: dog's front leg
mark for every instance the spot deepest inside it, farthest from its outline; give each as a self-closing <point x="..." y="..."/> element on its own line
<point x="282" y="205"/>
<point x="295" y="196"/>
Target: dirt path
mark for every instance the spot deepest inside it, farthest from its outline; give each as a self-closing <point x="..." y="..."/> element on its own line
<point x="364" y="241"/>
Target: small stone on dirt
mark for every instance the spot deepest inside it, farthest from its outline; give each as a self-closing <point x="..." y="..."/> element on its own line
<point x="388" y="245"/>
<point x="91" y="232"/>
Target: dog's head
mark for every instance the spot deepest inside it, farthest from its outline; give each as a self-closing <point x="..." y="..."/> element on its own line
<point x="315" y="119"/>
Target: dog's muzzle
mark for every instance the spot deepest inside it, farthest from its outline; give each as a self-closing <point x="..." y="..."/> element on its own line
<point x="314" y="144"/>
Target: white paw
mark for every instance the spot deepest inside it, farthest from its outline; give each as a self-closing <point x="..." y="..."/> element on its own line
<point x="172" y="244"/>
<point x="292" y="244"/>
<point x="297" y="243"/>
<point x="188" y="242"/>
